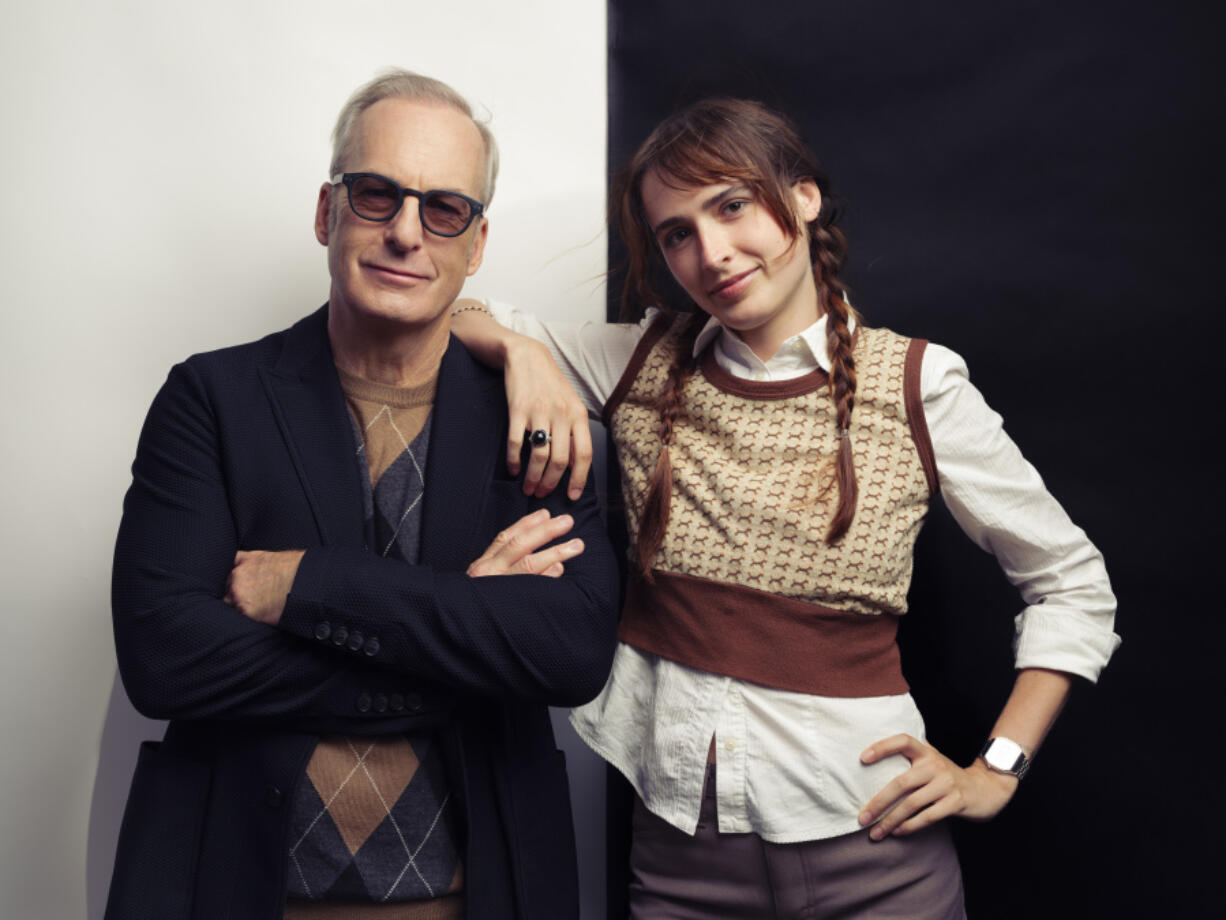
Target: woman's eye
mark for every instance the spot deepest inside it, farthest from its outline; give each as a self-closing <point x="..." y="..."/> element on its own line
<point x="675" y="237"/>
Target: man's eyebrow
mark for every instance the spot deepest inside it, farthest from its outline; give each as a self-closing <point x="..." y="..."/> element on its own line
<point x="455" y="190"/>
<point x="712" y="202"/>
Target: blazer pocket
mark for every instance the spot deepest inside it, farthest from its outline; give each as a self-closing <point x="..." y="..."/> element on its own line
<point x="159" y="838"/>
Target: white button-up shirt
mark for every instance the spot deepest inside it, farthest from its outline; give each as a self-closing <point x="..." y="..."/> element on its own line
<point x="789" y="763"/>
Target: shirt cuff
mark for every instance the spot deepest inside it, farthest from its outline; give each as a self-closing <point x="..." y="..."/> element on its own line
<point x="1060" y="640"/>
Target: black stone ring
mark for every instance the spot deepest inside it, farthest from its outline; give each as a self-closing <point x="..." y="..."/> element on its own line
<point x="538" y="438"/>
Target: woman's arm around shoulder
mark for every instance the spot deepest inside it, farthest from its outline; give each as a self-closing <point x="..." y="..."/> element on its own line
<point x="557" y="375"/>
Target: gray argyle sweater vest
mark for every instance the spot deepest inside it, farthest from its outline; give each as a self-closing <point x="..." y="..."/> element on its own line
<point x="374" y="820"/>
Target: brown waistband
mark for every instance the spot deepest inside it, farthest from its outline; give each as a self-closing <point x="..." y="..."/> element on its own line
<point x="763" y="638"/>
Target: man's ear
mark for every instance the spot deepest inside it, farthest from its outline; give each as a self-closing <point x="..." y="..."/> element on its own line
<point x="323" y="212"/>
<point x="478" y="251"/>
<point x="808" y="199"/>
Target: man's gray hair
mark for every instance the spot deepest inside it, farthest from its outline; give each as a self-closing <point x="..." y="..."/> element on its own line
<point x="404" y="84"/>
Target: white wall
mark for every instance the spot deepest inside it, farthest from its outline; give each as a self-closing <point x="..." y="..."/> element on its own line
<point x="160" y="163"/>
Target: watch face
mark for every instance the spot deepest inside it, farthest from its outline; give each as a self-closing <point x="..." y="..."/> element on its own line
<point x="1003" y="754"/>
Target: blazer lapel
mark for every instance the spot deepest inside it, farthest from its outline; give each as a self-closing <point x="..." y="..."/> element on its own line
<point x="310" y="409"/>
<point x="467" y="435"/>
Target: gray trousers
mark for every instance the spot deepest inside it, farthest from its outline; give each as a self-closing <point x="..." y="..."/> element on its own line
<point x="711" y="875"/>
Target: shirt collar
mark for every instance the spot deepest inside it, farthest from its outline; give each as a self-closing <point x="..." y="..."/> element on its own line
<point x="800" y="354"/>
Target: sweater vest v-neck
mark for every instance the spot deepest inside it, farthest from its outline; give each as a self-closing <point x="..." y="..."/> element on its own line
<point x="745" y="583"/>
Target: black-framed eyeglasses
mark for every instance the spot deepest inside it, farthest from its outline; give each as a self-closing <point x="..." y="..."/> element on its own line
<point x="378" y="198"/>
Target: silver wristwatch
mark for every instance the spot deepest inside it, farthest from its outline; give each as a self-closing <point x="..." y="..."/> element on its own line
<point x="1005" y="756"/>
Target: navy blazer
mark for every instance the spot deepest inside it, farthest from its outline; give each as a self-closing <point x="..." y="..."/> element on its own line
<point x="251" y="448"/>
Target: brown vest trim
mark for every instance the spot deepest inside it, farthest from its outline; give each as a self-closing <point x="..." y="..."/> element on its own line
<point x="763" y="638"/>
<point x="659" y="326"/>
<point x="913" y="400"/>
<point x="759" y="389"/>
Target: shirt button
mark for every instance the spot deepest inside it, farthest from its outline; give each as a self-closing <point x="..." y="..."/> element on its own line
<point x="730" y="745"/>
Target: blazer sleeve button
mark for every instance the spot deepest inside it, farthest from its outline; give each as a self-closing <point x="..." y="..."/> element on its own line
<point x="380" y="703"/>
<point x="372" y="646"/>
<point x="397" y="702"/>
<point x="323" y="629"/>
<point x="364" y="703"/>
<point x="339" y="635"/>
<point x="355" y="641"/>
<point x="413" y="702"/>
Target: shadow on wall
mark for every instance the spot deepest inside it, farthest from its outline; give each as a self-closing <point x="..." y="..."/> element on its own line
<point x="122" y="732"/>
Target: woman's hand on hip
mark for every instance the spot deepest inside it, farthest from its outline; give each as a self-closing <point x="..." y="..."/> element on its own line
<point x="541" y="399"/>
<point x="932" y="789"/>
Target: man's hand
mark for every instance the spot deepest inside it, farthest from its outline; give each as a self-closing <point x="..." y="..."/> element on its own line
<point x="260" y="581"/>
<point x="514" y="551"/>
<point x="934" y="788"/>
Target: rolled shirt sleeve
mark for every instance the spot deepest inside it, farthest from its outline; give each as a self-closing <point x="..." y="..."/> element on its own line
<point x="1000" y="502"/>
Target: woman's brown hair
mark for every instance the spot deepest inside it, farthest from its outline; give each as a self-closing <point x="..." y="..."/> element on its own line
<point x="715" y="141"/>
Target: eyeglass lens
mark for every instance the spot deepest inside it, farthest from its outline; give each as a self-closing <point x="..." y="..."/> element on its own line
<point x="376" y="198"/>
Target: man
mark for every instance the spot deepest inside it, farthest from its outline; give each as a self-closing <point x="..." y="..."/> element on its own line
<point x="327" y="579"/>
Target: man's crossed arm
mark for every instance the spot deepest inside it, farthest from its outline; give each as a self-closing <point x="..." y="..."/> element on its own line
<point x="261" y="580"/>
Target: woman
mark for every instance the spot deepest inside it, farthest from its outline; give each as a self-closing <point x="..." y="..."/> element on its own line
<point x="777" y="461"/>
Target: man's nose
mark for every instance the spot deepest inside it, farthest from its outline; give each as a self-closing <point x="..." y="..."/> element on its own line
<point x="404" y="231"/>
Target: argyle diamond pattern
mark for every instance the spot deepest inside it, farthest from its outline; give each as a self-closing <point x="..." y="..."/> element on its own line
<point x="372" y="824"/>
<point x="373" y="820"/>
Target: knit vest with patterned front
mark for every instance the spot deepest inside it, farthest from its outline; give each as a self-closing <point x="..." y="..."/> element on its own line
<point x="745" y="583"/>
<point x="374" y="825"/>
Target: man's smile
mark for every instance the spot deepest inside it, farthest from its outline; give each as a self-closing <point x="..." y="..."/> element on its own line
<point x="394" y="275"/>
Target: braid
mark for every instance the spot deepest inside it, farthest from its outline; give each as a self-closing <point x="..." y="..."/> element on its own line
<point x="654" y="518"/>
<point x="829" y="250"/>
<point x="746" y="143"/>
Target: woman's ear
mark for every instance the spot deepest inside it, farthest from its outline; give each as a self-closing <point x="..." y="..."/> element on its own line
<point x="808" y="199"/>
